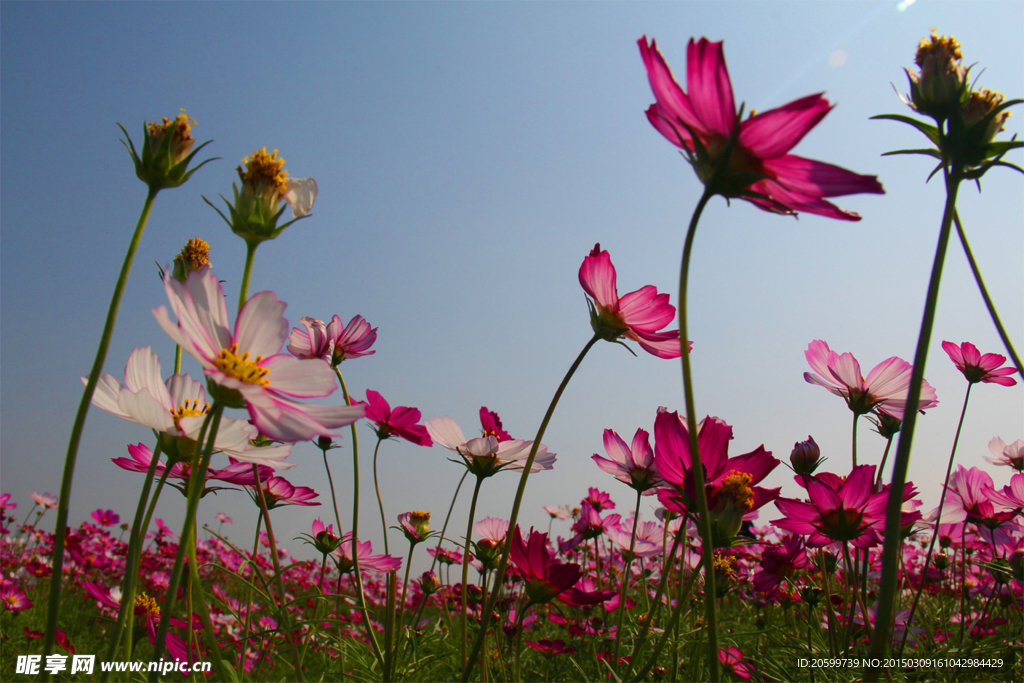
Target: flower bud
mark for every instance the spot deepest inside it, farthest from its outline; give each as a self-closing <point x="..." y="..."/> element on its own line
<point x="324" y="443"/>
<point x="828" y="561"/>
<point x="980" y="104"/>
<point x="939" y="88"/>
<point x="429" y="583"/>
<point x="1016" y="561"/>
<point x="193" y="256"/>
<point x="167" y="150"/>
<point x="806" y="456"/>
<point x="941" y="561"/>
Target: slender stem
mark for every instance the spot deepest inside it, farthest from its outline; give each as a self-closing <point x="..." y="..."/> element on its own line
<point x="963" y="579"/>
<point x="674" y="620"/>
<point x="248" y="599"/>
<point x="76" y="431"/>
<point x="131" y="560"/>
<point x="704" y="520"/>
<point x="250" y="254"/>
<point x="389" y="627"/>
<point x="444" y="528"/>
<point x="197" y="482"/>
<point x="984" y="294"/>
<point x="465" y="567"/>
<point x="881" y="468"/>
<point x="656" y="603"/>
<point x="854" y="451"/>
<point x="355" y="531"/>
<point x="204" y="613"/>
<point x="624" y="581"/>
<point x="380" y="502"/>
<point x="282" y="597"/>
<point x="514" y="517"/>
<point x="882" y="639"/>
<point x="938" y="519"/>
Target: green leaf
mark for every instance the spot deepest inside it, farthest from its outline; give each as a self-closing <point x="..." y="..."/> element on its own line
<point x="929" y="152"/>
<point x="931" y="131"/>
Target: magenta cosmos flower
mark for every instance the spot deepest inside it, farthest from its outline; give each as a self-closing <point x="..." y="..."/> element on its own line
<point x="367" y="562"/>
<point x="333" y="343"/>
<point x="731" y="659"/>
<point x="979" y="368"/>
<point x="401" y="421"/>
<point x="730" y="483"/>
<point x="884" y="390"/>
<point x="839" y="509"/>
<point x="637" y="315"/>
<point x="633" y="465"/>
<point x="759" y="168"/>
<point x="244" y="366"/>
<point x="546" y="578"/>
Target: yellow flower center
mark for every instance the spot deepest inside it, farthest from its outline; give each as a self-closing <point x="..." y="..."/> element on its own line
<point x="491" y="432"/>
<point x="943" y="48"/>
<point x="146" y="605"/>
<point x="240" y="367"/>
<point x="181" y="133"/>
<point x="981" y="102"/>
<point x="263" y="170"/>
<point x="736" y="488"/>
<point x="418" y="517"/>
<point x="725" y="566"/>
<point x="195" y="254"/>
<point x="186" y="410"/>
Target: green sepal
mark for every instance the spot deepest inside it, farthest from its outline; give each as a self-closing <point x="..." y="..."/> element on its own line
<point x="929" y="152"/>
<point x="932" y="132"/>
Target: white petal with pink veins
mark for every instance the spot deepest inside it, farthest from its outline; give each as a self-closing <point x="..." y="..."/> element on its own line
<point x="261" y="327"/>
<point x="300" y="193"/>
<point x="300" y="378"/>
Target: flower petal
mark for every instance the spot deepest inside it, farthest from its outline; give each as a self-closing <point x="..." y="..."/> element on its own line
<point x="772" y="133"/>
<point x="710" y="88"/>
<point x="261" y="327"/>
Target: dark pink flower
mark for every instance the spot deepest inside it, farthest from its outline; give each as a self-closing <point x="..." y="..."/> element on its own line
<point x="730" y="483"/>
<point x="14" y="599"/>
<point x="551" y="647"/>
<point x="491" y="425"/>
<point x="780" y="563"/>
<point x="839" y="509"/>
<point x="979" y="368"/>
<point x="106" y="517"/>
<point x="367" y="562"/>
<point x="279" y="491"/>
<point x="5" y="502"/>
<point x="972" y="497"/>
<point x="885" y="388"/>
<point x="637" y="315"/>
<point x="759" y="168"/>
<point x="401" y="421"/>
<point x="732" y="662"/>
<point x="546" y="578"/>
<point x="598" y="499"/>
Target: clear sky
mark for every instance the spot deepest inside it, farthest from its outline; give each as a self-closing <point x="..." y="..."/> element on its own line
<point x="468" y="157"/>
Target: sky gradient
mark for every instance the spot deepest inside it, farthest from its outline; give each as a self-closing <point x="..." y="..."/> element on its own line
<point x="468" y="157"/>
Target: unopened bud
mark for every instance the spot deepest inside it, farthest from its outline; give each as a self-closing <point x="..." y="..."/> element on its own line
<point x="429" y="583"/>
<point x="193" y="256"/>
<point x="805" y="456"/>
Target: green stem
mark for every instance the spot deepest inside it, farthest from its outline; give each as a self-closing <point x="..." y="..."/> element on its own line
<point x="53" y="610"/>
<point x="669" y="629"/>
<point x="286" y="617"/>
<point x="131" y="560"/>
<point x="938" y="520"/>
<point x="204" y="613"/>
<point x="984" y="294"/>
<point x="656" y="603"/>
<point x="250" y="255"/>
<point x="882" y="639"/>
<point x="514" y="517"/>
<point x="197" y="482"/>
<point x="248" y="600"/>
<point x="855" y="416"/>
<point x="465" y="567"/>
<point x="624" y="581"/>
<point x="444" y="528"/>
<point x="704" y="520"/>
<point x="380" y="501"/>
<point x="355" y="531"/>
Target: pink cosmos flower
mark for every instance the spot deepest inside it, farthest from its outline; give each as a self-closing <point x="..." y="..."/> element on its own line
<point x="5" y="502"/>
<point x="401" y="421"/>
<point x="979" y="368"/>
<point x="279" y="491"/>
<point x="551" y="647"/>
<point x="760" y="170"/>
<point x="589" y="525"/>
<point x="648" y="541"/>
<point x="546" y="578"/>
<point x="730" y="483"/>
<point x="633" y="465"/>
<point x="491" y="530"/>
<point x="177" y="408"/>
<point x="45" y="501"/>
<point x="223" y="519"/>
<point x="334" y="342"/>
<point x="972" y="497"/>
<point x="367" y="562"/>
<point x="562" y="512"/>
<point x="245" y="365"/>
<point x="839" y="510"/>
<point x="1012" y="455"/>
<point x="486" y="456"/>
<point x="885" y="389"/>
<point x="637" y="315"/>
<point x="14" y="599"/>
<point x="106" y="517"/>
<point x="236" y="473"/>
<point x="491" y="424"/>
<point x="780" y="563"/>
<point x="732" y="662"/>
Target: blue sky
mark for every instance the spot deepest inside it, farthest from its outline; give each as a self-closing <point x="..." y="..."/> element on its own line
<point x="468" y="157"/>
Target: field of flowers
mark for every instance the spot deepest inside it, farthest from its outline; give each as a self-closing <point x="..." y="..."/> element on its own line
<point x="853" y="580"/>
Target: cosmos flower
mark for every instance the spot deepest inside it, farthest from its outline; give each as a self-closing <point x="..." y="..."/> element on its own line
<point x="632" y="465"/>
<point x="972" y="497"/>
<point x="546" y="578"/>
<point x="885" y="388"/>
<point x="333" y="343"/>
<point x="486" y="456"/>
<point x="279" y="491"/>
<point x="1012" y="454"/>
<point x="401" y="421"/>
<point x="551" y="647"/>
<point x="177" y="408"/>
<point x="979" y="368"/>
<point x="731" y="659"/>
<point x="367" y="562"/>
<point x="45" y="501"/>
<point x="490" y="423"/>
<point x="839" y="510"/>
<point x="14" y="599"/>
<point x="780" y="563"/>
<point x="106" y="517"/>
<point x="244" y="366"/>
<point x="562" y="512"/>
<point x="759" y="168"/>
<point x="637" y="315"/>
